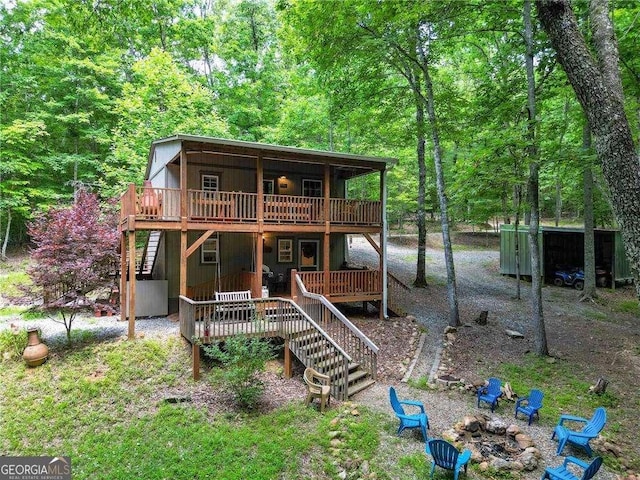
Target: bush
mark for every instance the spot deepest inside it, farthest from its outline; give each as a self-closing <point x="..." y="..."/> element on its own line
<point x="243" y="358"/>
<point x="13" y="342"/>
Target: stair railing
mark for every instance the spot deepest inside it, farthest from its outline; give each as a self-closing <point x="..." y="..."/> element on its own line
<point x="202" y="321"/>
<point x="395" y="288"/>
<point x="345" y="333"/>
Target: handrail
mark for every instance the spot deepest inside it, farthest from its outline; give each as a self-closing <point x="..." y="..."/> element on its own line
<point x="254" y="301"/>
<point x="332" y="308"/>
<point x="397" y="282"/>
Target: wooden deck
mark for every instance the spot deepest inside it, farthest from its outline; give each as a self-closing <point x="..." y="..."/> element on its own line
<point x="162" y="207"/>
<point x="316" y="333"/>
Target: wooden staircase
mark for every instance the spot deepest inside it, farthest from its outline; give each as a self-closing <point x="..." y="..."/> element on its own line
<point x="313" y="349"/>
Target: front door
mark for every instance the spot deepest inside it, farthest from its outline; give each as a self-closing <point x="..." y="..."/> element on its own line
<point x="308" y="255"/>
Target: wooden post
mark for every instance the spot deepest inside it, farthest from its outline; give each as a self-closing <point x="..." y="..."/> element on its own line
<point x="294" y="285"/>
<point x="131" y="334"/>
<point x="288" y="363"/>
<point x="257" y="278"/>
<point x="259" y="244"/>
<point x="123" y="276"/>
<point x="183" y="259"/>
<point x="326" y="250"/>
<point x="195" y="359"/>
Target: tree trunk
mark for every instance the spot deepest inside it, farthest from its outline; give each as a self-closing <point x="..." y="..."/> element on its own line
<point x="421" y="277"/>
<point x="537" y="316"/>
<point x="5" y="242"/>
<point x="454" y="316"/>
<point x="598" y="89"/>
<point x="589" y="291"/>
<point x="517" y="200"/>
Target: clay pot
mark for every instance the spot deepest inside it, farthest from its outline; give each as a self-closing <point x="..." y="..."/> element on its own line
<point x="36" y="352"/>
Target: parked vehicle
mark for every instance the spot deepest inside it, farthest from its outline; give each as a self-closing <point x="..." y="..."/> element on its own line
<point x="573" y="277"/>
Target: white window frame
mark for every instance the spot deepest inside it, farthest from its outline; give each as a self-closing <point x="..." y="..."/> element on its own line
<point x="285" y="250"/>
<point x="205" y="177"/>
<point x="210" y="248"/>
<point x="268" y="190"/>
<point x="307" y="188"/>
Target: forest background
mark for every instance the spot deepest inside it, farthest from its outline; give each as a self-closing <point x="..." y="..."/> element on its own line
<point x="86" y="86"/>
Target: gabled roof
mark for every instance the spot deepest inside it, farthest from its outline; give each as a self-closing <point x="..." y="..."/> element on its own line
<point x="276" y="152"/>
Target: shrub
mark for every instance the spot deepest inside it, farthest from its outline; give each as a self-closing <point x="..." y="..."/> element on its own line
<point x="243" y="358"/>
<point x="13" y="342"/>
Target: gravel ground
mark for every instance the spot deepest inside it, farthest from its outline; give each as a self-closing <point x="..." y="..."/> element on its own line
<point x="446" y="407"/>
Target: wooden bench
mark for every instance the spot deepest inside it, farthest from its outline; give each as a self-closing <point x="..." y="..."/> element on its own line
<point x="238" y="306"/>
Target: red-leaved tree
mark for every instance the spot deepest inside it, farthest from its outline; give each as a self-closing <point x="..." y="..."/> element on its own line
<point x="75" y="254"/>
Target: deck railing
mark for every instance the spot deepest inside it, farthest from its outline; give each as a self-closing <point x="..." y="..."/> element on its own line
<point x="293" y="209"/>
<point x="151" y="203"/>
<point x="345" y="333"/>
<point x="209" y="321"/>
<point x="344" y="282"/>
<point x="348" y="211"/>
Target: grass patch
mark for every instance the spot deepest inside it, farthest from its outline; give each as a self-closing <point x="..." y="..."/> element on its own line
<point x="10" y="283"/>
<point x="564" y="391"/>
<point x="628" y="306"/>
<point x="100" y="404"/>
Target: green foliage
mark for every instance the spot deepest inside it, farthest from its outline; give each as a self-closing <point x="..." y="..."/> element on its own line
<point x="11" y="283"/>
<point x="242" y="359"/>
<point x="564" y="390"/>
<point x="628" y="306"/>
<point x="12" y="342"/>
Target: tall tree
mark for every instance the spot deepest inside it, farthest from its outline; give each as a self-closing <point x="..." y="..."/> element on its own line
<point x="596" y="81"/>
<point x="537" y="314"/>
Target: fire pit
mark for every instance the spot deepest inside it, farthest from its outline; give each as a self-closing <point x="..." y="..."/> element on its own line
<point x="494" y="444"/>
<point x="448" y="380"/>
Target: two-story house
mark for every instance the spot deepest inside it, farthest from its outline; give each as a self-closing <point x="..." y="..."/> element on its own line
<point x="218" y="215"/>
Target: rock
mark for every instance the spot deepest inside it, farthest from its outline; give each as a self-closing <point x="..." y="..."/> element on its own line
<point x="514" y="333"/>
<point x="336" y="442"/>
<point x="499" y="464"/>
<point x="334" y="434"/>
<point x="451" y="435"/>
<point x="334" y="421"/>
<point x="471" y="424"/>
<point x="496" y="426"/>
<point x="484" y="466"/>
<point x="524" y="441"/>
<point x="355" y="413"/>
<point x="517" y="466"/>
<point x="450" y="329"/>
<point x="513" y="430"/>
<point x="476" y="455"/>
<point x="528" y="460"/>
<point x="610" y="447"/>
<point x="342" y="475"/>
<point x="364" y="468"/>
<point x="534" y="451"/>
<point x="450" y="337"/>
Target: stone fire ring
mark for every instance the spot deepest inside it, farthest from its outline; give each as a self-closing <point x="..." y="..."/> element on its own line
<point x="494" y="444"/>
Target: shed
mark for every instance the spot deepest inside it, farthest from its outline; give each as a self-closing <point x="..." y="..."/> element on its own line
<point x="562" y="247"/>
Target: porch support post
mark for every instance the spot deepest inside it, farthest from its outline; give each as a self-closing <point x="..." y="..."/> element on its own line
<point x="131" y="304"/>
<point x="256" y="284"/>
<point x="383" y="244"/>
<point x="288" y="364"/>
<point x="326" y="250"/>
<point x="294" y="285"/>
<point x="183" y="221"/>
<point x="195" y="359"/>
<point x="123" y="275"/>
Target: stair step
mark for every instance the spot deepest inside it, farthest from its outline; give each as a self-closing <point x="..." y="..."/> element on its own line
<point x="358" y="387"/>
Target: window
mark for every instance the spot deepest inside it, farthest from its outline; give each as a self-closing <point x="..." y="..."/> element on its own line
<point x="210" y="183"/>
<point x="267" y="187"/>
<point x="285" y="250"/>
<point x="209" y="252"/>
<point x="312" y="188"/>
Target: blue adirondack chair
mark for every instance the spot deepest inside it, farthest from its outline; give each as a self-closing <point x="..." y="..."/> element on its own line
<point x="490" y="393"/>
<point x="581" y="439"/>
<point x="530" y="405"/>
<point x="447" y="456"/>
<point x="563" y="473"/>
<point x="414" y="420"/>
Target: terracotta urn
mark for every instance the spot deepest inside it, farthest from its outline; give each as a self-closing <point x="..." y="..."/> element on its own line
<point x="36" y="352"/>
